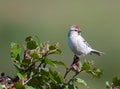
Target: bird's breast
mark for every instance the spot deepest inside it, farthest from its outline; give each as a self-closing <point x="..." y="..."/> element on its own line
<point x="78" y="46"/>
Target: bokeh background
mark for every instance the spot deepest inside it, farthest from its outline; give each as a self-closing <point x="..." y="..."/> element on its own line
<point x="51" y="20"/>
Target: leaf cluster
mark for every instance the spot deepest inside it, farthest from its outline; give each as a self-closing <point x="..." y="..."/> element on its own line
<point x="115" y="84"/>
<point x="88" y="67"/>
<point x="32" y="69"/>
<point x="36" y="70"/>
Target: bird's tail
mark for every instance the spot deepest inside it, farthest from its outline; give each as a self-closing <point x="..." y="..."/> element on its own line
<point x="97" y="52"/>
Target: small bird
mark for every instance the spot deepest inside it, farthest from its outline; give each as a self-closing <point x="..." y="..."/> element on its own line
<point x="79" y="47"/>
<point x="78" y="44"/>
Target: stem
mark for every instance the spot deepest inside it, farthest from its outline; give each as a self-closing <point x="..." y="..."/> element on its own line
<point x="36" y="72"/>
<point x="74" y="76"/>
<point x="27" y="80"/>
<point x="29" y="68"/>
<point x="67" y="71"/>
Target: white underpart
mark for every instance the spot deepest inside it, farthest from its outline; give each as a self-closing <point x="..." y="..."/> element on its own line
<point x="77" y="44"/>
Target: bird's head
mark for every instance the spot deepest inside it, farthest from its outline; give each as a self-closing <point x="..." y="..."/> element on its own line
<point x="75" y="28"/>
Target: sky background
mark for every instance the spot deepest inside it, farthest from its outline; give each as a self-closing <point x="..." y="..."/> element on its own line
<point x="99" y="21"/>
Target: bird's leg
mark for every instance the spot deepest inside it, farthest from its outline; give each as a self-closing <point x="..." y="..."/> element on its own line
<point x="76" y="59"/>
<point x="74" y="66"/>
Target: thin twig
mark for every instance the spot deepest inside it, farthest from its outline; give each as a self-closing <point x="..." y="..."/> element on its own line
<point x="29" y="68"/>
<point x="72" y="77"/>
<point x="67" y="71"/>
<point x="27" y="80"/>
<point x="36" y="72"/>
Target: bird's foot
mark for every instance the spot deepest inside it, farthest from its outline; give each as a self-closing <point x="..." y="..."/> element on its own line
<point x="75" y="64"/>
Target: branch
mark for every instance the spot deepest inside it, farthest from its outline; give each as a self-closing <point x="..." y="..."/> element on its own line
<point x="74" y="76"/>
<point x="27" y="80"/>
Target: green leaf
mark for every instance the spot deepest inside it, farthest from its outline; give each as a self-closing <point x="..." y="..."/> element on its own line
<point x="56" y="76"/>
<point x="20" y="75"/>
<point x="59" y="63"/>
<point x="44" y="71"/>
<point x="15" y="52"/>
<point x="18" y="68"/>
<point x="49" y="61"/>
<point x="86" y="66"/>
<point x="35" y="56"/>
<point x="25" y="63"/>
<point x="52" y="47"/>
<point x="18" y="57"/>
<point x="32" y="45"/>
<point x="56" y="51"/>
<point x="43" y="80"/>
<point x="116" y="81"/>
<point x="29" y="87"/>
<point x="81" y="81"/>
<point x="80" y="65"/>
<point x="107" y="84"/>
<point x="29" y="38"/>
<point x="37" y="40"/>
<point x="36" y="82"/>
<point x="96" y="72"/>
<point x="70" y="86"/>
<point x="59" y="51"/>
<point x="18" y="85"/>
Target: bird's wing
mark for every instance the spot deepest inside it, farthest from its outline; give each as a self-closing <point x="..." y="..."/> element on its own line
<point x="85" y="42"/>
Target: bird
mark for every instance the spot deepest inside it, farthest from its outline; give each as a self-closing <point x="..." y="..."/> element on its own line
<point x="79" y="46"/>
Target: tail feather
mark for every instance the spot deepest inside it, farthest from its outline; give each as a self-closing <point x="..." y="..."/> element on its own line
<point x="97" y="52"/>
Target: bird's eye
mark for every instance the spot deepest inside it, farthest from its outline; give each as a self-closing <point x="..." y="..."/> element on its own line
<point x="78" y="31"/>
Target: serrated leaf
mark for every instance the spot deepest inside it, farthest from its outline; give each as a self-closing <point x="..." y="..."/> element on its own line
<point x="15" y="52"/>
<point x="59" y="63"/>
<point x="32" y="45"/>
<point x="81" y="81"/>
<point x="49" y="61"/>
